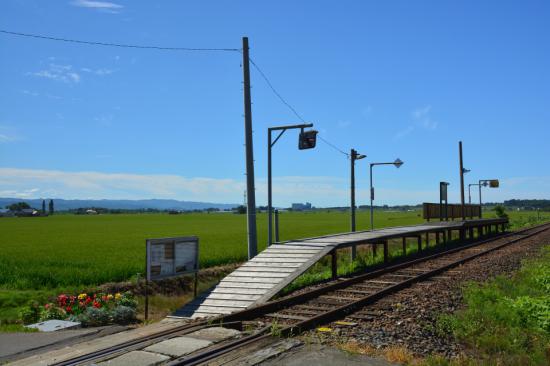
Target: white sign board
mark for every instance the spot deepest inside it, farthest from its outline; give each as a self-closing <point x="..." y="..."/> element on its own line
<point x="171" y="257"/>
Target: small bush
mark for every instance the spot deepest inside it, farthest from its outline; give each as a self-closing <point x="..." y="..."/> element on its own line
<point x="95" y="317"/>
<point x="31" y="313"/>
<point x="127" y="300"/>
<point x="51" y="312"/>
<point x="124" y="314"/>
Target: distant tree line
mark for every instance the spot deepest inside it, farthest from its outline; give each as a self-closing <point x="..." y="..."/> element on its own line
<point x="543" y="205"/>
<point x="20" y="206"/>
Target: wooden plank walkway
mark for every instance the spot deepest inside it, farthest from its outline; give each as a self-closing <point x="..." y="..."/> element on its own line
<point x="262" y="277"/>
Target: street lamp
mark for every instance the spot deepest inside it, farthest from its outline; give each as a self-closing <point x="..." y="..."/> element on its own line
<point x="397" y="163"/>
<point x="492" y="183"/>
<point x="469" y="193"/>
<point x="307" y="141"/>
<point x="354" y="155"/>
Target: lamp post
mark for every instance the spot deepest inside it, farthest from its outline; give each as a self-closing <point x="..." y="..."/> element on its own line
<point x="492" y="183"/>
<point x="469" y="193"/>
<point x="307" y="141"/>
<point x="397" y="163"/>
<point x="354" y="155"/>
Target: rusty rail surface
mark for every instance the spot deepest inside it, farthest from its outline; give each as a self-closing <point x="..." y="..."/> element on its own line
<point x="315" y="315"/>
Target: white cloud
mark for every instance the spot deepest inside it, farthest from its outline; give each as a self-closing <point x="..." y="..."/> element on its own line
<point x="5" y="138"/>
<point x="343" y="124"/>
<point x="105" y="120"/>
<point x="30" y="92"/>
<point x="8" y="134"/>
<point x="99" y="72"/>
<point x="366" y="112"/>
<point x="322" y="191"/>
<point x="423" y="118"/>
<point x="404" y="132"/>
<point x="103" y="6"/>
<point x="120" y="185"/>
<point x="63" y="73"/>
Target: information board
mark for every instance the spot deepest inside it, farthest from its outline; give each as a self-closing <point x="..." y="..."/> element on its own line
<point x="169" y="257"/>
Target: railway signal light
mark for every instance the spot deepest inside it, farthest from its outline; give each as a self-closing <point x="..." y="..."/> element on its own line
<point x="307" y="139"/>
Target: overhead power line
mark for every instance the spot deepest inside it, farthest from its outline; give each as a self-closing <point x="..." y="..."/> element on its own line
<point x="264" y="76"/>
<point x="333" y="146"/>
<point x="275" y="91"/>
<point x="136" y="46"/>
<point x="107" y="44"/>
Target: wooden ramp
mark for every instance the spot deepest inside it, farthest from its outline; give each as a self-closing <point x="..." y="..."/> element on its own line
<point x="257" y="280"/>
<point x="262" y="277"/>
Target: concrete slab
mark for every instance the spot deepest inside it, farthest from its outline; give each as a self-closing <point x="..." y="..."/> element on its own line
<point x="179" y="346"/>
<point x="215" y="334"/>
<point x="316" y="355"/>
<point x="54" y="325"/>
<point x="79" y="349"/>
<point x="136" y="358"/>
<point x="269" y="352"/>
<point x="13" y="343"/>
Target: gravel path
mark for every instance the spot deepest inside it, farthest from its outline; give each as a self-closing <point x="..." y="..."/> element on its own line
<point x="406" y="319"/>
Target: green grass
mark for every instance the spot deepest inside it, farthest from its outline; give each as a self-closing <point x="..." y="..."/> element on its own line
<point x="507" y="320"/>
<point x="71" y="250"/>
<point x="40" y="257"/>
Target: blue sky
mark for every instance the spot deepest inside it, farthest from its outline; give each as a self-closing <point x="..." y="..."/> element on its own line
<point x="391" y="79"/>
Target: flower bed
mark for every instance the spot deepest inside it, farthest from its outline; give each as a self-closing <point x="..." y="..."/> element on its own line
<point x="88" y="309"/>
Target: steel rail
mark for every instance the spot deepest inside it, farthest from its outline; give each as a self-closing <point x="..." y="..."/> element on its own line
<point x="345" y="309"/>
<point x="259" y="310"/>
<point x="286" y="301"/>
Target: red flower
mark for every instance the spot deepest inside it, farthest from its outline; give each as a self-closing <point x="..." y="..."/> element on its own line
<point x="62" y="300"/>
<point x="69" y="309"/>
<point x="47" y="306"/>
<point x="88" y="300"/>
<point x="96" y="304"/>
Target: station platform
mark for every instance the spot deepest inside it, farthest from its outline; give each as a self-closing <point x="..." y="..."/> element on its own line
<point x="262" y="277"/>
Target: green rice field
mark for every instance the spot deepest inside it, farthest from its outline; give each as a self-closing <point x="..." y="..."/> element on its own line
<point x="47" y="254"/>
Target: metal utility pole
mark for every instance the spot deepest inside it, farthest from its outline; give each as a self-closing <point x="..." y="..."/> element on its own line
<point x="270" y="144"/>
<point x="492" y="183"/>
<point x="461" y="181"/>
<point x="397" y="163"/>
<point x="250" y="190"/>
<point x="480" y="210"/>
<point x="354" y="155"/>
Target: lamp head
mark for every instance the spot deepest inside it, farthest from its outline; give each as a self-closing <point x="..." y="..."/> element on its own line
<point x="397" y="163"/>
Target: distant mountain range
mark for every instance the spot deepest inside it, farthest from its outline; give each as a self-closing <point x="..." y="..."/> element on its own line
<point x="157" y="204"/>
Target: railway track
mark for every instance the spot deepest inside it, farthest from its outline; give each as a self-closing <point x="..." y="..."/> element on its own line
<point x="294" y="314"/>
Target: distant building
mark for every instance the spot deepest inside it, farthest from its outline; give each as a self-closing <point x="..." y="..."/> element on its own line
<point x="301" y="206"/>
<point x="27" y="212"/>
<point x="91" y="212"/>
<point x="4" y="212"/>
